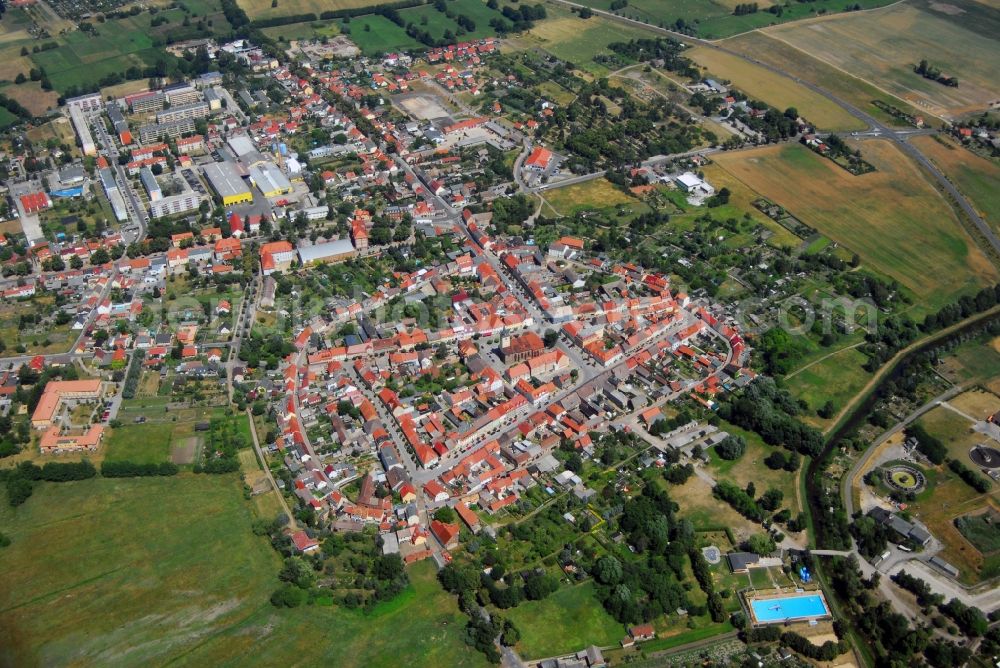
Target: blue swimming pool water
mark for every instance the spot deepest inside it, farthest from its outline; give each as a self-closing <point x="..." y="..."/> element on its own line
<point x="791" y="607"/>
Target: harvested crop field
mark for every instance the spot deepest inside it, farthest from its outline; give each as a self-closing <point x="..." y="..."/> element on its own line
<point x="761" y="46"/>
<point x="883" y="46"/>
<point x="776" y="90"/>
<point x="976" y="177"/>
<point x="893" y="218"/>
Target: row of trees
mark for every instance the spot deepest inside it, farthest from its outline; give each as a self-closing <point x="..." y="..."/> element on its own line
<point x="971" y="478"/>
<point x="894" y="333"/>
<point x="125" y="469"/>
<point x="21" y="479"/>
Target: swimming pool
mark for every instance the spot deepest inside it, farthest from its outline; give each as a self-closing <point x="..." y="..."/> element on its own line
<point x="789" y="608"/>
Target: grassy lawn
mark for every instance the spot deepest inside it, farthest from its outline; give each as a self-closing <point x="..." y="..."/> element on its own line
<point x="982" y="531"/>
<point x="776" y="90"/>
<point x="83" y="59"/>
<point x="308" y="30"/>
<point x="7" y="119"/>
<point x="740" y="203"/>
<point x="257" y="9"/>
<point x="376" y="34"/>
<point x="599" y="194"/>
<point x="953" y="430"/>
<point x="976" y="177"/>
<point x="566" y="621"/>
<point x="139" y="443"/>
<point x="707" y="512"/>
<point x="167" y="570"/>
<point x="893" y="218"/>
<point x="751" y="468"/>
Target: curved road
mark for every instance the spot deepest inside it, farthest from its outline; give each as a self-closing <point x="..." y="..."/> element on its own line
<point x="893" y="135"/>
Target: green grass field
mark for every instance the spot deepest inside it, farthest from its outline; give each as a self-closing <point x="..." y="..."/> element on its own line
<point x="139" y="443"/>
<point x="893" y="218"/>
<point x="301" y="31"/>
<point x="599" y="194"/>
<point x="376" y="34"/>
<point x="118" y="572"/>
<point x="82" y="59"/>
<point x="567" y="621"/>
<point x="7" y="119"/>
<point x="167" y="570"/>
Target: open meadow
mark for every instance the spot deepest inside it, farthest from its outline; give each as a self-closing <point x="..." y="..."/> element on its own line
<point x="975" y="361"/>
<point x="774" y="89"/>
<point x="597" y="194"/>
<point x="892" y="218"/>
<point x="836" y="377"/>
<point x="86" y="582"/>
<point x="957" y="37"/>
<point x="565" y="621"/>
<point x="32" y="97"/>
<point x="977" y="178"/>
<point x="139" y="443"/>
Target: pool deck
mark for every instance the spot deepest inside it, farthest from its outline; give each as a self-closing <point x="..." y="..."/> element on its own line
<point x="748" y="599"/>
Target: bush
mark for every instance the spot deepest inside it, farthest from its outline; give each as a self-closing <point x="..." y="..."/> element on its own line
<point x="18" y="491"/>
<point x="64" y="472"/>
<point x="741" y="502"/>
<point x="288" y="596"/>
<point x="732" y="447"/>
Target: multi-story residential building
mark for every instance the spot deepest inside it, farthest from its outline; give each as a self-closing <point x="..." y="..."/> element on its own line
<point x="180" y="112"/>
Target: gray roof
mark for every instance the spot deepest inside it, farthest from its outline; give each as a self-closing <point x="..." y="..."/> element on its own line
<point x="324" y="251"/>
<point x="225" y="180"/>
<point x="739" y="561"/>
